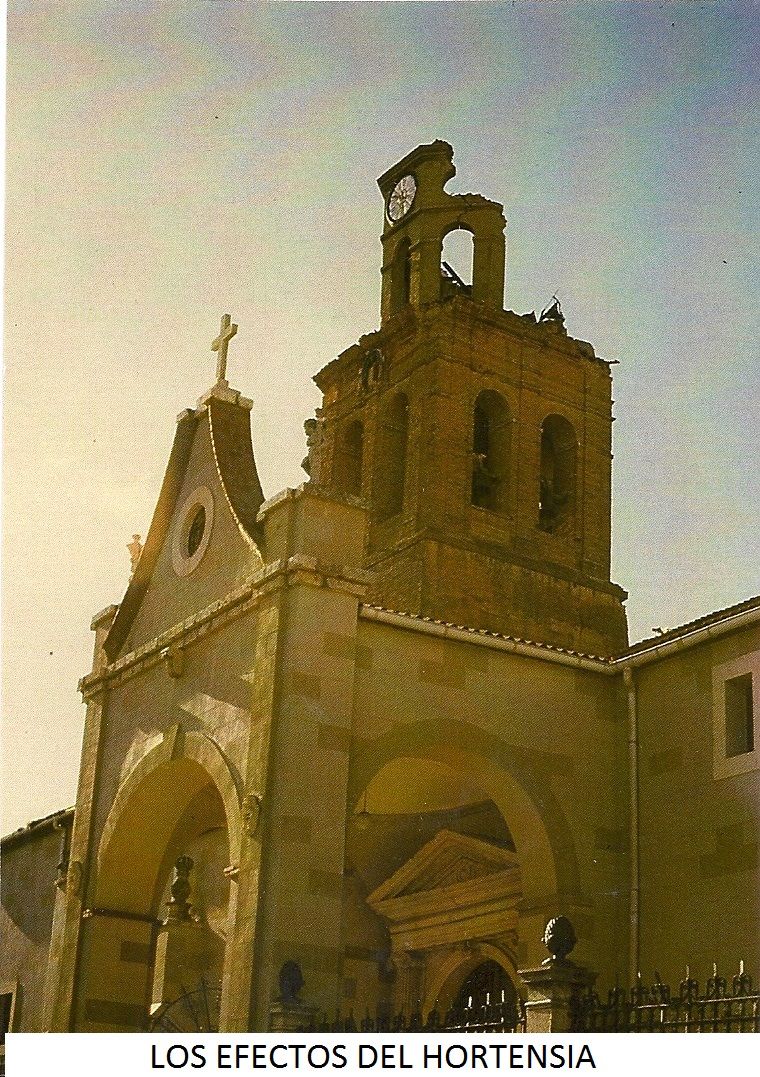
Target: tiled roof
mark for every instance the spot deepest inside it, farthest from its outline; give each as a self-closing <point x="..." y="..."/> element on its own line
<point x="643" y="645"/>
<point x="694" y="626"/>
<point x="44" y="823"/>
<point x="489" y="634"/>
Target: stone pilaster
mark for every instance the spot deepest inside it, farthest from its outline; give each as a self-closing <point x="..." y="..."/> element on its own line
<point x="185" y="950"/>
<point x="311" y="588"/>
<point x="554" y="992"/>
<point x="64" y="945"/>
<point x="556" y="988"/>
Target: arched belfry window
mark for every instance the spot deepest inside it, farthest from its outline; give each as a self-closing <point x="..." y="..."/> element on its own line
<point x="490" y="452"/>
<point x="349" y="452"/>
<point x="457" y="256"/>
<point x="557" y="490"/>
<point x="401" y="276"/>
<point x="390" y="467"/>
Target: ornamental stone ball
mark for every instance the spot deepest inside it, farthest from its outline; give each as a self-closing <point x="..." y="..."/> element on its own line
<point x="559" y="938"/>
<point x="291" y="981"/>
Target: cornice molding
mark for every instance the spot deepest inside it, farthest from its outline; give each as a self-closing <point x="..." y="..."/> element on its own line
<point x="296" y="571"/>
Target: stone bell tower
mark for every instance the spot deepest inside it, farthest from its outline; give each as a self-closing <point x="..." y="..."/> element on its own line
<point x="419" y="214"/>
<point x="479" y="438"/>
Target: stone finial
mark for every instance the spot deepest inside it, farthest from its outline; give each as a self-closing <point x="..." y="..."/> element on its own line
<point x="558" y="986"/>
<point x="178" y="908"/>
<point x="559" y="939"/>
<point x="135" y="548"/>
<point x="290" y="981"/>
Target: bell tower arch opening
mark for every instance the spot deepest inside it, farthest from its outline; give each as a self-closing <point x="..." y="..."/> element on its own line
<point x="490" y="451"/>
<point x="349" y="459"/>
<point x="557" y="486"/>
<point x="457" y="260"/>
<point x="401" y="275"/>
<point x="391" y="460"/>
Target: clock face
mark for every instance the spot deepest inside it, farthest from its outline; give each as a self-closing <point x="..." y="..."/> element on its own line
<point x="402" y="196"/>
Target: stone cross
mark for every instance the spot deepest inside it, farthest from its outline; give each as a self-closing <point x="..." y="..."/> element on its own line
<point x="226" y="333"/>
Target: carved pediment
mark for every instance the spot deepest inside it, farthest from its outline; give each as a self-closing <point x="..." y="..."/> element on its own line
<point x="450" y="871"/>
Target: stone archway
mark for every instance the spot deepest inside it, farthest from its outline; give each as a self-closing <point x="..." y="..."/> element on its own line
<point x="511" y="778"/>
<point x="180" y="796"/>
<point x="452" y="974"/>
<point x="520" y="813"/>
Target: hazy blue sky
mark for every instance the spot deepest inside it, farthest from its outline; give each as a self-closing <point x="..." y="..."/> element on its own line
<point x="168" y="162"/>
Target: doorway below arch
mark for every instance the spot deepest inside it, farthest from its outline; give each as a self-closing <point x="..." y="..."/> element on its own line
<point x="486" y="1000"/>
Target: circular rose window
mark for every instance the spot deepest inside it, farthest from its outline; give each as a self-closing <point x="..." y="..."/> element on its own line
<point x="192" y="531"/>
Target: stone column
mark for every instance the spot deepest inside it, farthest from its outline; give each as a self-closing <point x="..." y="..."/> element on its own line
<point x="556" y="987"/>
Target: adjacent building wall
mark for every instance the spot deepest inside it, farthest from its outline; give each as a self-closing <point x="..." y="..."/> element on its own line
<point x="30" y="860"/>
<point x="699" y="823"/>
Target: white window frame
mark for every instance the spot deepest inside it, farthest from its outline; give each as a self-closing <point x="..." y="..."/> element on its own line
<point x="727" y="766"/>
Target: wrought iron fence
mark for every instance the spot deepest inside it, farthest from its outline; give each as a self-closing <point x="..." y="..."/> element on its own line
<point x="490" y="1017"/>
<point x="657" y="1009"/>
<point x="723" y="1006"/>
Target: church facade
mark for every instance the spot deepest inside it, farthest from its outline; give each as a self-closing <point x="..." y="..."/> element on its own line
<point x="356" y="744"/>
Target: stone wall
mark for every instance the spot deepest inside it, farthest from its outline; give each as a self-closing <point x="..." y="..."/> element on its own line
<point x="440" y="555"/>
<point x="30" y="860"/>
<point x="700" y="855"/>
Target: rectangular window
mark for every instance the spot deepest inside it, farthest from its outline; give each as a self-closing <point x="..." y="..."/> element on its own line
<point x="736" y="701"/>
<point x="740" y="724"/>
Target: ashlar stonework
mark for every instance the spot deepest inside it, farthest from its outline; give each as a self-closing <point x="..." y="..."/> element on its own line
<point x="365" y="738"/>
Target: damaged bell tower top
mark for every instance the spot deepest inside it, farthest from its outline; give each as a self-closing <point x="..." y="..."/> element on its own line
<point x="479" y="439"/>
<point x="419" y="215"/>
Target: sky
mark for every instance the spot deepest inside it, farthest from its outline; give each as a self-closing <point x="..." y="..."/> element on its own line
<point x="169" y="162"/>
